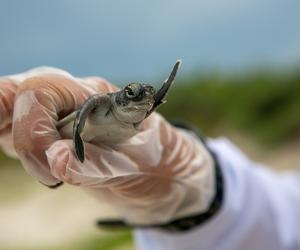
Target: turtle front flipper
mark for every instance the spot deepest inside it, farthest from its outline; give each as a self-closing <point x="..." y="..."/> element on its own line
<point x="66" y="120"/>
<point x="160" y="95"/>
<point x="92" y="104"/>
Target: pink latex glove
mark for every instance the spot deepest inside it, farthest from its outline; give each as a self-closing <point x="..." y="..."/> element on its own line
<point x="8" y="89"/>
<point x="160" y="174"/>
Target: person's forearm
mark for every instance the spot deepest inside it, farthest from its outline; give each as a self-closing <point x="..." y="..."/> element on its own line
<point x="260" y="210"/>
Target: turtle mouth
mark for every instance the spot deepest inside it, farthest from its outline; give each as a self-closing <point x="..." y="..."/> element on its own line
<point x="142" y="106"/>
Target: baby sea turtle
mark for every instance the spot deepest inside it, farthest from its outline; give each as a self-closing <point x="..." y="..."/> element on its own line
<point x="114" y="117"/>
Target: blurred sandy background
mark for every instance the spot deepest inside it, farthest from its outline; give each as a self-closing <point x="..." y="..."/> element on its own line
<point x="240" y="79"/>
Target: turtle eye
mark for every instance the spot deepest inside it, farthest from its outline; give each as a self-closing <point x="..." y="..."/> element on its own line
<point x="131" y="92"/>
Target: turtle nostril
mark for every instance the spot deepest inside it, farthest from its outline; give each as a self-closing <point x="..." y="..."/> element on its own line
<point x="150" y="90"/>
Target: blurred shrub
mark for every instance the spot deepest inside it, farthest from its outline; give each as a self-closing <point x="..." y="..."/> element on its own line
<point x="7" y="162"/>
<point x="264" y="104"/>
<point x="115" y="240"/>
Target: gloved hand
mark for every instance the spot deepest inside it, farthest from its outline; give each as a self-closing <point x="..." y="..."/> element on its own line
<point x="158" y="175"/>
<point x="8" y="89"/>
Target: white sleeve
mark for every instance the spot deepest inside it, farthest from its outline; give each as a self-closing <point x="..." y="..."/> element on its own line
<point x="260" y="210"/>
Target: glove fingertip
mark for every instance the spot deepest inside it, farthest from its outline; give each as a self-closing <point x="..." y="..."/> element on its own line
<point x="58" y="156"/>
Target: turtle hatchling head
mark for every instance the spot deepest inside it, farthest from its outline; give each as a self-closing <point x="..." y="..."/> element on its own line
<point x="134" y="102"/>
<point x="137" y="100"/>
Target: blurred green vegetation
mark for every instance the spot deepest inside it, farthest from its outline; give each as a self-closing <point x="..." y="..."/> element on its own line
<point x="264" y="104"/>
<point x="122" y="239"/>
<point x="7" y="161"/>
<point x="118" y="240"/>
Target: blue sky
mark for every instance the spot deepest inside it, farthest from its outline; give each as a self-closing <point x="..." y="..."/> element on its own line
<point x="140" y="40"/>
